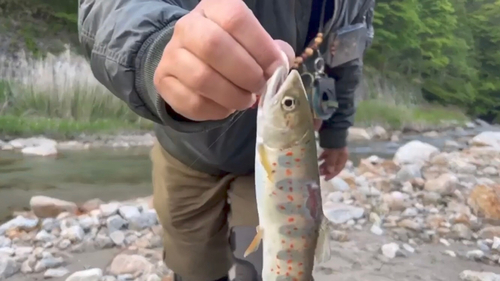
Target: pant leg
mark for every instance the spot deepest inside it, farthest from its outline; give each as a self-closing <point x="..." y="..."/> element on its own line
<point x="192" y="209"/>
<point x="243" y="221"/>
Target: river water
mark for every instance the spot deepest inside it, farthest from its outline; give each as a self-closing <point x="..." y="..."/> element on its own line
<point x="120" y="174"/>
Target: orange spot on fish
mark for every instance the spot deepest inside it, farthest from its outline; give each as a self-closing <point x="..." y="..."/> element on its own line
<point x="290" y="197"/>
<point x="289" y="261"/>
<point x="280" y="187"/>
<point x="299" y="206"/>
<point x="287" y="274"/>
<point x="302" y="149"/>
<point x="295" y="279"/>
<point x="274" y="164"/>
<point x="301" y="264"/>
<point x="297" y="159"/>
<point x="274" y="193"/>
<point x="290" y="188"/>
<point x="289" y="153"/>
<point x="287" y="163"/>
<point x="282" y="207"/>
<point x="272" y="269"/>
<point x="301" y="273"/>
<point x="290" y="268"/>
<point x="303" y="237"/>
<point x="278" y="272"/>
<point x="288" y="172"/>
<point x="278" y="267"/>
<point x="283" y="241"/>
<point x="291" y="246"/>
<point x="291" y="219"/>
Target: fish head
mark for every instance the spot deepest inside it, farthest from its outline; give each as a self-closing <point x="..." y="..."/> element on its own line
<point x="284" y="114"/>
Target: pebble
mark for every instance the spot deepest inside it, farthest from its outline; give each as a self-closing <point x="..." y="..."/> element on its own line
<point x="94" y="274"/>
<point x="416" y="197"/>
<point x="339" y="213"/>
<point x="475" y="254"/>
<point x="390" y="250"/>
<point x="47" y="207"/>
<point x="375" y="229"/>
<point x="74" y="233"/>
<point x="118" y="237"/>
<point x="8" y="267"/>
<point x="129" y="264"/>
<point x="496" y="243"/>
<point x="444" y="242"/>
<point x="56" y="273"/>
<point x="115" y="222"/>
<point x="408" y="248"/>
<point x="469" y="275"/>
<point x="109" y="209"/>
<point x="450" y="253"/>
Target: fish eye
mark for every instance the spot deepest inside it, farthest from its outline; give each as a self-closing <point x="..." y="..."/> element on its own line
<point x="288" y="103"/>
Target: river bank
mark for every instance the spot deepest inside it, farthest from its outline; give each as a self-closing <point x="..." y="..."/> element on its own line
<point x="45" y="146"/>
<point x="427" y="213"/>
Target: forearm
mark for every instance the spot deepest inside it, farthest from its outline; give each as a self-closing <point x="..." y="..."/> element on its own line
<point x="124" y="40"/>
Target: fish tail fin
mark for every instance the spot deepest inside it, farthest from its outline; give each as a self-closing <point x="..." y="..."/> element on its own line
<point x="254" y="245"/>
<point x="323" y="251"/>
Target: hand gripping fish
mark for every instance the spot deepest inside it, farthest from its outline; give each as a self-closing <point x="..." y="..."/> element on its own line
<point x="291" y="221"/>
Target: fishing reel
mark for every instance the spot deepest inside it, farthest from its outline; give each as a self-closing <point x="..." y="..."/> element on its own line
<point x="322" y="96"/>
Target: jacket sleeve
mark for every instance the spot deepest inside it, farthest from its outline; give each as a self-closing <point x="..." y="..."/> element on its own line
<point x="333" y="132"/>
<point x="124" y="41"/>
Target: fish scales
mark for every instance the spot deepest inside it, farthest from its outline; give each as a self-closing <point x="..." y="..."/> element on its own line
<point x="291" y="220"/>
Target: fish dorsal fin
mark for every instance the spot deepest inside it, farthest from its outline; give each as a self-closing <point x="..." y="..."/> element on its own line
<point x="323" y="251"/>
<point x="264" y="160"/>
<point x="254" y="245"/>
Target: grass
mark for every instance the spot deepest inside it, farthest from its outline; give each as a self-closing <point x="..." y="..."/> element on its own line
<point x="58" y="96"/>
<point x="63" y="128"/>
<point x="396" y="117"/>
<point x="396" y="103"/>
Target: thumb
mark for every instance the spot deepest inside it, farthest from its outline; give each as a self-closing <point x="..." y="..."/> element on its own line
<point x="287" y="50"/>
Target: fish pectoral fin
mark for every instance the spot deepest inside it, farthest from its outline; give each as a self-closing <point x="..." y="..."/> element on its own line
<point x="265" y="161"/>
<point x="323" y="251"/>
<point x="254" y="245"/>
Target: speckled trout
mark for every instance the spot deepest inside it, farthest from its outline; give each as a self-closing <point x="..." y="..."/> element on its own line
<point x="291" y="227"/>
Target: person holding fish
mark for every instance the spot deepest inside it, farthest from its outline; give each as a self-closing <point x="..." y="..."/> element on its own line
<point x="197" y="69"/>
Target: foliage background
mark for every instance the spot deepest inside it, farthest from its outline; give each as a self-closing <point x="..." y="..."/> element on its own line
<point x="450" y="48"/>
<point x="431" y="61"/>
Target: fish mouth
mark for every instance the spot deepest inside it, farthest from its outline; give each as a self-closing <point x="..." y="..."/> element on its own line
<point x="274" y="85"/>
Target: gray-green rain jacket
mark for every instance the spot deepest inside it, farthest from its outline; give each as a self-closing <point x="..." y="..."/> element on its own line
<point x="124" y="40"/>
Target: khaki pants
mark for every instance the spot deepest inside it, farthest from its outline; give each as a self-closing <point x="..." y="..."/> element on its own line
<point x="195" y="215"/>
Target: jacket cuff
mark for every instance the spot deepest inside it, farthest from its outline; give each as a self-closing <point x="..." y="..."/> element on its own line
<point x="333" y="138"/>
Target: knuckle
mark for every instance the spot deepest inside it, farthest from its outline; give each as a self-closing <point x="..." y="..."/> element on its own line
<point x="222" y="114"/>
<point x="201" y="77"/>
<point x="256" y="81"/>
<point x="235" y="18"/>
<point x="242" y="102"/>
<point x="213" y="41"/>
<point x="183" y="23"/>
<point x="195" y="105"/>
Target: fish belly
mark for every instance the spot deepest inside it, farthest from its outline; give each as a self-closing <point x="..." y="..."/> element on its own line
<point x="290" y="214"/>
